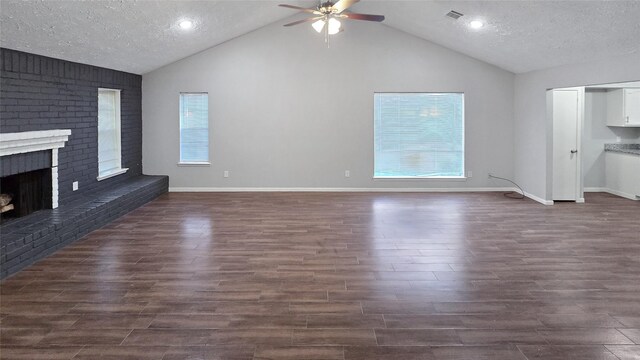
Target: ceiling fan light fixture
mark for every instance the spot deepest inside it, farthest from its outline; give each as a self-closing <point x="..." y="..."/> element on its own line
<point x="326" y="16"/>
<point x="334" y="26"/>
<point x="318" y="25"/>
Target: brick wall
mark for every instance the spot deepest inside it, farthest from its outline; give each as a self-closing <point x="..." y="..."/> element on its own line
<point x="19" y="163"/>
<point x="41" y="93"/>
<point x="30" y="238"/>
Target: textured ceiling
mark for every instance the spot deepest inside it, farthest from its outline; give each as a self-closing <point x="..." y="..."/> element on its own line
<point x="140" y="36"/>
<point x="522" y="35"/>
<point x="130" y="35"/>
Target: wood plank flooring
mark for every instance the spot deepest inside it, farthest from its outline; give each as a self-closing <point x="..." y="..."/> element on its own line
<point x="338" y="276"/>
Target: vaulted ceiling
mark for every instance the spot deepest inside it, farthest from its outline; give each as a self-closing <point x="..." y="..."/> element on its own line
<point x="140" y="36"/>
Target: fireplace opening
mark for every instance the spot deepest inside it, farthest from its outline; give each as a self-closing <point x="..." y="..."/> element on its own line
<point x="24" y="193"/>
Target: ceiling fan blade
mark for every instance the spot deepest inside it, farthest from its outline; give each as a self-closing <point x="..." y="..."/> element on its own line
<point x="343" y="5"/>
<point x="303" y="21"/>
<point x="366" y="17"/>
<point x="312" y="11"/>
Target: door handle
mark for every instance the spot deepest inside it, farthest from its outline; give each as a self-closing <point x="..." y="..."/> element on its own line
<point x="574" y="151"/>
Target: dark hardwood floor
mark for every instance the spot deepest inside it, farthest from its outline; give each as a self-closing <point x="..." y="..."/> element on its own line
<point x="338" y="276"/>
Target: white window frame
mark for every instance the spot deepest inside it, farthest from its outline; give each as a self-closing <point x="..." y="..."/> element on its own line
<point x="192" y="163"/>
<point x="118" y="120"/>
<point x="463" y="177"/>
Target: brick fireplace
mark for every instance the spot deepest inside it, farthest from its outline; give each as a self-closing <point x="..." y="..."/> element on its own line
<point x="41" y="99"/>
<point x="29" y="170"/>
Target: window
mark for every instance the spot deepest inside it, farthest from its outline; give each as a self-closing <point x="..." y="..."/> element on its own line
<point x="109" y="152"/>
<point x="194" y="128"/>
<point x="418" y="135"/>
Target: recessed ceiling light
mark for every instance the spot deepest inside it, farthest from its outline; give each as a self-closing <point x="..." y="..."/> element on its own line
<point x="476" y="24"/>
<point x="186" y="24"/>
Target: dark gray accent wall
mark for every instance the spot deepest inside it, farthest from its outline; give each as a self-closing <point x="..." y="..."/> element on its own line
<point x="42" y="93"/>
<point x="19" y="163"/>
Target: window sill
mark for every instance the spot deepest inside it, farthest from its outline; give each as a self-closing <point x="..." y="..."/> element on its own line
<point x="195" y="163"/>
<point x="436" y="178"/>
<point x="112" y="174"/>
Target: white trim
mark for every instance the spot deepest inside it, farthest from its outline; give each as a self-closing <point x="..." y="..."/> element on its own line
<point x="54" y="157"/>
<point x="54" y="185"/>
<point x="538" y="199"/>
<point x="580" y="109"/>
<point x="180" y="106"/>
<point x="622" y="194"/>
<point x="423" y="178"/>
<point x="314" y="189"/>
<point x="596" y="189"/>
<point x="112" y="174"/>
<point x="30" y="141"/>
<point x="117" y="121"/>
<point x="612" y="192"/>
<point x="195" y="163"/>
<point x="464" y="139"/>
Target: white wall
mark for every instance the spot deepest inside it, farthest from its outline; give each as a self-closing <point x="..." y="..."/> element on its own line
<point x="285" y="111"/>
<point x="596" y="133"/>
<point x="532" y="127"/>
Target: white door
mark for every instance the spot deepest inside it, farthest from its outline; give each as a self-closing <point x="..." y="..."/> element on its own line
<point x="565" y="144"/>
<point x="632" y="106"/>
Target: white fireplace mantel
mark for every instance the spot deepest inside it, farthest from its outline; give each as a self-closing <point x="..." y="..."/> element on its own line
<point x="30" y="141"/>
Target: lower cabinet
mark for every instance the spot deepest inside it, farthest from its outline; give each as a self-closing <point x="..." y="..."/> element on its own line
<point x="623" y="174"/>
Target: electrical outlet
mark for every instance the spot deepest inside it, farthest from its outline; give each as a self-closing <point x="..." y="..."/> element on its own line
<point x="469" y="174"/>
<point x="347" y="173"/>
<point x="75" y="185"/>
<point x="226" y="173"/>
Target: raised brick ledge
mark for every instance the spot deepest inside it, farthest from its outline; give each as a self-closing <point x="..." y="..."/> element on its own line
<point x="26" y="240"/>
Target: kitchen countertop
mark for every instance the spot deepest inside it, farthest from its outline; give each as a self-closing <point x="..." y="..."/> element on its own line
<point x="623" y="148"/>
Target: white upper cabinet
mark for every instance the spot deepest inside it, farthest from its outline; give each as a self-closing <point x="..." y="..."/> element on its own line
<point x="632" y="105"/>
<point x="623" y="107"/>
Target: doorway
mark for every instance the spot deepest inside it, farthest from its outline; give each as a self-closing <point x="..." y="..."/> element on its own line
<point x="587" y="122"/>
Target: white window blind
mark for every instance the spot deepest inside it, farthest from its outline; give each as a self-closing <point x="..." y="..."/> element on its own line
<point x="109" y="151"/>
<point x="419" y="135"/>
<point x="194" y="127"/>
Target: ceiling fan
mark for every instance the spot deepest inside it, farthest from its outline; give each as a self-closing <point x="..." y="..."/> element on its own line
<point x="327" y="15"/>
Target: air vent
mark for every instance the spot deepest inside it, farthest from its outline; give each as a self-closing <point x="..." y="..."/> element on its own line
<point x="454" y="14"/>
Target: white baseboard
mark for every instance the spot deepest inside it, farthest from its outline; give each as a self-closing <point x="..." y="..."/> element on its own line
<point x="622" y="194"/>
<point x="538" y="199"/>
<point x="596" y="189"/>
<point x="613" y="192"/>
<point x="314" y="189"/>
